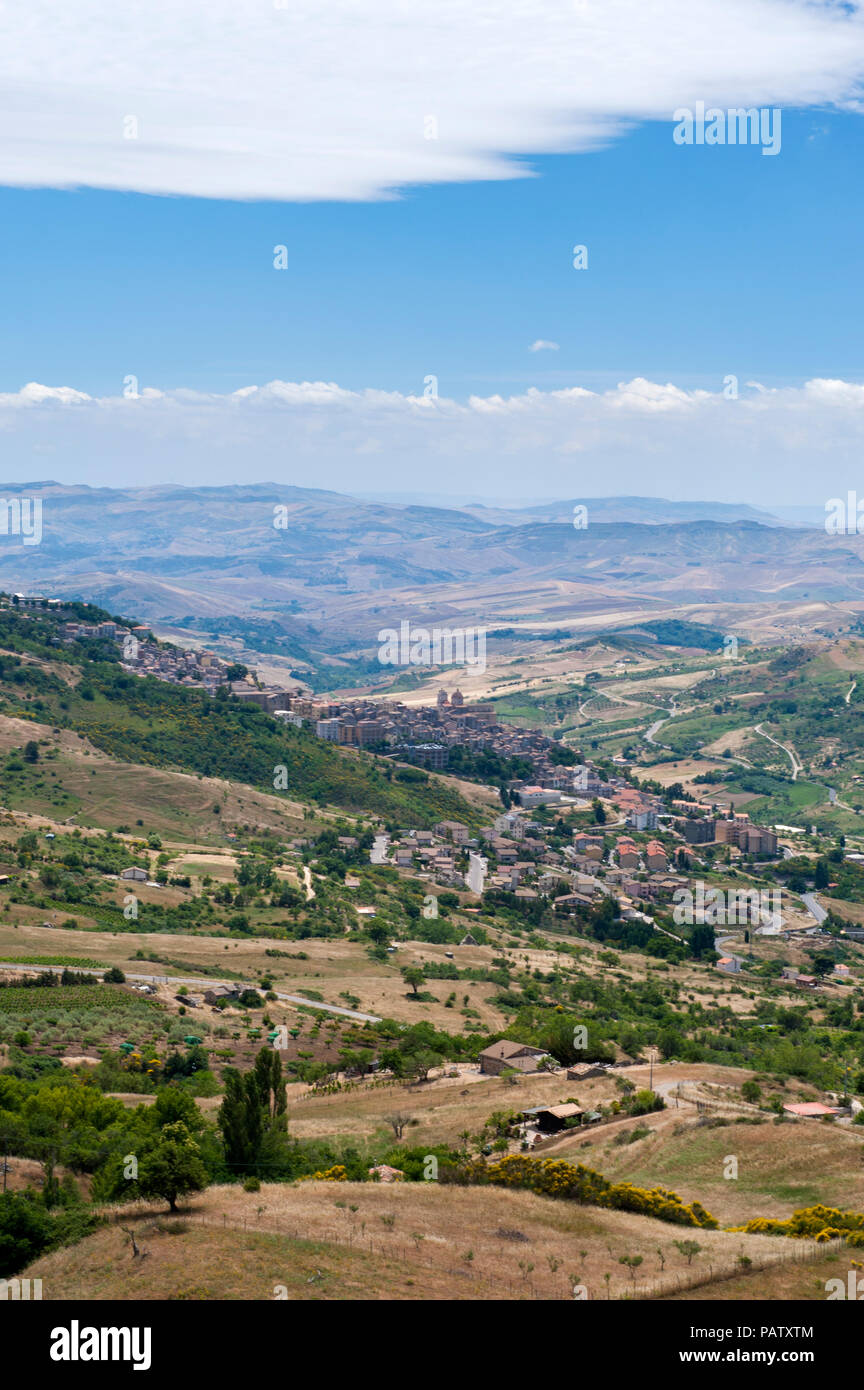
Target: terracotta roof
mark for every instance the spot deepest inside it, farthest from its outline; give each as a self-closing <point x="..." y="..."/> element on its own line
<point x="811" y="1107"/>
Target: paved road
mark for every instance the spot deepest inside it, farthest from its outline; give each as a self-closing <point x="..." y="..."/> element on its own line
<point x="650" y="734"/>
<point x="843" y="805"/>
<point x="849" y="691"/>
<point x="813" y="907"/>
<point x="790" y="753"/>
<point x="378" y="852"/>
<point x="721" y="946"/>
<point x="204" y="984"/>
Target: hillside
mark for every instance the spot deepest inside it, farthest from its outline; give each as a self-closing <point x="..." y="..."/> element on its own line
<point x="403" y="1241"/>
<point x="147" y="721"/>
<point x="297" y="1009"/>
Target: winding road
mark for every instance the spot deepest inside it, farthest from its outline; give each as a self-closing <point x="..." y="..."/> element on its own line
<point x="817" y="912"/>
<point x="790" y="752"/>
<point x="205" y="984"/>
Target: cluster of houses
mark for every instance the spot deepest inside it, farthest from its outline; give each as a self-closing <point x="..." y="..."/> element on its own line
<point x="142" y="655"/>
<point x="513" y="854"/>
<point x="424" y="735"/>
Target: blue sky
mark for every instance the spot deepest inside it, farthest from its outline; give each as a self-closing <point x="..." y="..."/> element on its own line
<point x="153" y="158"/>
<point x="701" y="262"/>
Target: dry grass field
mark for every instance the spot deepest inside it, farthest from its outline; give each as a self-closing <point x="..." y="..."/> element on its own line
<point x="397" y="1241"/>
<point x="780" y="1167"/>
<point x="104" y="792"/>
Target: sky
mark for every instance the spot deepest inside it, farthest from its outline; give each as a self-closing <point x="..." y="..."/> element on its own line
<point x="334" y="246"/>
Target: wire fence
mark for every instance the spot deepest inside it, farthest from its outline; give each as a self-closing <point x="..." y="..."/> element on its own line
<point x="533" y="1283"/>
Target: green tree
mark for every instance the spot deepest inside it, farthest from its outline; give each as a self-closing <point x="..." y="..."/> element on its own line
<point x="419" y="1064"/>
<point x="413" y="975"/>
<point x="688" y="1248"/>
<point x="267" y="1073"/>
<point x="24" y="1232"/>
<point x="172" y="1168"/>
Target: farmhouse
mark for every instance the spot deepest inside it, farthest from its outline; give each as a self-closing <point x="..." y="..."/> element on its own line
<point x="811" y="1110"/>
<point x="218" y="993"/>
<point x="139" y="875"/>
<point x="731" y="964"/>
<point x="510" y="1056"/>
<point x="550" y="1119"/>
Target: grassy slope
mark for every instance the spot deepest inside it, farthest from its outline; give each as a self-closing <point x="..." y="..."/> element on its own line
<point x="189" y="732"/>
<point x="402" y="1240"/>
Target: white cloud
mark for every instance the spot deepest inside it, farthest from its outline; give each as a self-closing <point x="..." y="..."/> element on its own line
<point x="770" y="446"/>
<point x="543" y="345"/>
<point x="35" y="394"/>
<point x="304" y="100"/>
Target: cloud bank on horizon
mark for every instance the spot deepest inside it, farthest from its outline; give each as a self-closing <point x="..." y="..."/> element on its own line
<point x="658" y="438"/>
<point x="302" y="101"/>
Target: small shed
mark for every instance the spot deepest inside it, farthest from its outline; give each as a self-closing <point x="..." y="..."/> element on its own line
<point x="812" y="1110"/>
<point x="552" y="1118"/>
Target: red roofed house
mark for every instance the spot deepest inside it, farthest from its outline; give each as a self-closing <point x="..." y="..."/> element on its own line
<point x="628" y="854"/>
<point x="656" y="857"/>
<point x="811" y="1110"/>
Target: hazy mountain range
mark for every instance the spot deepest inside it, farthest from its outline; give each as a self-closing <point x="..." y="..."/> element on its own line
<point x="324" y="566"/>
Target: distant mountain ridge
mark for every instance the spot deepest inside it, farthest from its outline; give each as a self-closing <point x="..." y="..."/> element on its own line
<point x="329" y="569"/>
<point x="649" y="511"/>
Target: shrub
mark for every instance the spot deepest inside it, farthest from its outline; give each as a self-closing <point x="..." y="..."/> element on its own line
<point x="555" y="1177"/>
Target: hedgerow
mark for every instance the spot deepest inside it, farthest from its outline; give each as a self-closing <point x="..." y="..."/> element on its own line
<point x="555" y="1177"/>
<point x="819" y="1223"/>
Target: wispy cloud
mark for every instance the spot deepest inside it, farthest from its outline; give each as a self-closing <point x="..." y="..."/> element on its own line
<point x="543" y="345"/>
<point x="302" y="100"/>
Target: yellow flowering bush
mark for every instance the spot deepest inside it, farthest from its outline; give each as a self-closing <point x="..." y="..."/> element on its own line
<point x="818" y="1223"/>
<point x="555" y="1177"/>
<point x="335" y="1174"/>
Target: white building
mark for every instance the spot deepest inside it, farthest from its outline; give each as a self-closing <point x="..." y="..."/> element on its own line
<point x="538" y="796"/>
<point x="476" y="875"/>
